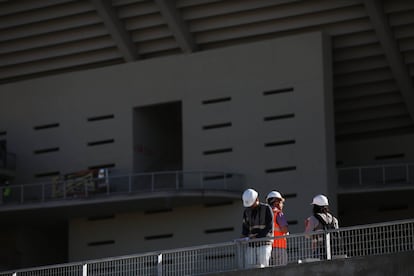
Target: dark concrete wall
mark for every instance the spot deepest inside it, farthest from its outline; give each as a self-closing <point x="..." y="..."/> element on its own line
<point x="401" y="264"/>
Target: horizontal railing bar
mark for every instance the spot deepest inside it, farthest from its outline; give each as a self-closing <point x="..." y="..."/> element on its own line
<point x="375" y="166"/>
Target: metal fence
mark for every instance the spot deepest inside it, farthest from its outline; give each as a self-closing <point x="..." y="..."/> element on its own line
<point x="347" y="242"/>
<point x="87" y="186"/>
<point x="376" y="176"/>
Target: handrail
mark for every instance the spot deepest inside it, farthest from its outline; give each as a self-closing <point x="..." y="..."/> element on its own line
<point x="376" y="176"/>
<point x="88" y="187"/>
<point x="346" y="242"/>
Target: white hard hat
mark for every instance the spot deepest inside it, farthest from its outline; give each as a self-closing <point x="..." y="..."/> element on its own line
<point x="320" y="200"/>
<point x="249" y="197"/>
<point x="274" y="194"/>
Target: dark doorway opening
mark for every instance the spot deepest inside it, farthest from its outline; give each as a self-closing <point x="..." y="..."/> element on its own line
<point x="158" y="137"/>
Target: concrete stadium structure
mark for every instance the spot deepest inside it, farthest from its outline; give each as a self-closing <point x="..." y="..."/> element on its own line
<point x="289" y="94"/>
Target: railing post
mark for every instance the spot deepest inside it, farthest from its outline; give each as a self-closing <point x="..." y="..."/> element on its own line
<point x="225" y="180"/>
<point x="159" y="265"/>
<point x="201" y="180"/>
<point x="240" y="255"/>
<point x="328" y="245"/>
<point x="85" y="270"/>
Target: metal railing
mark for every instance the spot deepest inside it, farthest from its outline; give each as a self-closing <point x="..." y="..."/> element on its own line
<point x="347" y="242"/>
<point x="89" y="187"/>
<point x="390" y="175"/>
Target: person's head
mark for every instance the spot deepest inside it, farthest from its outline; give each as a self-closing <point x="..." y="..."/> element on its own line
<point x="275" y="199"/>
<point x="320" y="204"/>
<point x="250" y="198"/>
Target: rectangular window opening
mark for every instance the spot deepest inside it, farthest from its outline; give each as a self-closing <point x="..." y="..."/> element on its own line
<point x="278" y="91"/>
<point x="282" y="169"/>
<point x="102" y="166"/>
<point x="100" y="118"/>
<point x="41" y="151"/>
<point x="280" y="143"/>
<point x="218" y="100"/>
<point x="278" y="117"/>
<point x="99" y="243"/>
<point x="157" y="237"/>
<point x="217" y="151"/>
<point x="214" y="126"/>
<point x="46" y="126"/>
<point x="102" y="142"/>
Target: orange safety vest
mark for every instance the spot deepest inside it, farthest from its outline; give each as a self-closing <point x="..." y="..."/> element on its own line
<point x="281" y="242"/>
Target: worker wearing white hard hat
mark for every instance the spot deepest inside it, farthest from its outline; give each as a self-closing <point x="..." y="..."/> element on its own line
<point x="257" y="224"/>
<point x="280" y="228"/>
<point x="320" y="200"/>
<point x="320" y="220"/>
<point x="250" y="197"/>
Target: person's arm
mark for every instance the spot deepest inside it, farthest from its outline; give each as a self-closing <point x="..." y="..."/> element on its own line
<point x="245" y="227"/>
<point x="281" y="221"/>
<point x="335" y="222"/>
<point x="309" y="226"/>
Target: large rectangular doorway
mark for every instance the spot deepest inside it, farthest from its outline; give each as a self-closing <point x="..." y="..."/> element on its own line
<point x="158" y="137"/>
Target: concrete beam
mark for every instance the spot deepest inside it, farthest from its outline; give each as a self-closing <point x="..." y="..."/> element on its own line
<point x="399" y="69"/>
<point x="177" y="25"/>
<point x="116" y="29"/>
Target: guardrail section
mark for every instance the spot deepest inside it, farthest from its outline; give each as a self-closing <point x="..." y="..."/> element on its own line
<point x="86" y="185"/>
<point x="347" y="242"/>
<point x="390" y="175"/>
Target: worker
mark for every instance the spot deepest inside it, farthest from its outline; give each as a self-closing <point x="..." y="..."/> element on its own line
<point x="320" y="220"/>
<point x="280" y="228"/>
<point x="257" y="223"/>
